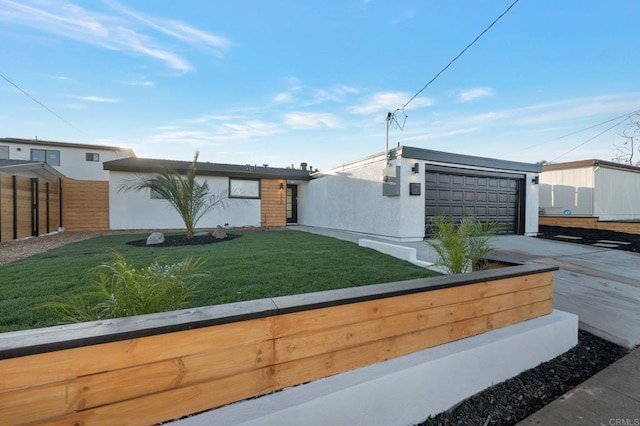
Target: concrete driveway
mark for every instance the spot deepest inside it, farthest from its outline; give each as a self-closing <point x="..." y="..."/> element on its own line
<point x="600" y="285"/>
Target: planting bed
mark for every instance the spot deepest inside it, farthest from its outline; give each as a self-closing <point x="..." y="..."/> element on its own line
<point x="181" y="240"/>
<point x="513" y="400"/>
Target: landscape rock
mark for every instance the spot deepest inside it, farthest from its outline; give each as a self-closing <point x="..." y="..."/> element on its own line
<point x="200" y="234"/>
<point x="155" y="238"/>
<point x="220" y="233"/>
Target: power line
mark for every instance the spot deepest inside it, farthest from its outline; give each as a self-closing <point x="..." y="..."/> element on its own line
<point x="626" y="116"/>
<point x="590" y="139"/>
<point x="458" y="56"/>
<point x="37" y="101"/>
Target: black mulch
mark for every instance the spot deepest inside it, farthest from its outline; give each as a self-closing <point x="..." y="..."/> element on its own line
<point x="590" y="236"/>
<point x="513" y="400"/>
<point x="181" y="240"/>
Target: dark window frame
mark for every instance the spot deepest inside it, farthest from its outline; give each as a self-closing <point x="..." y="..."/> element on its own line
<point x="92" y="156"/>
<point x="250" y="196"/>
<point x="47" y="156"/>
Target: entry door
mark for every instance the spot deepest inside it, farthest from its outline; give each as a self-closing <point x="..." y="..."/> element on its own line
<point x="292" y="204"/>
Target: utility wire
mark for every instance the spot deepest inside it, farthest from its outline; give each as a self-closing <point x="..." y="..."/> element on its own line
<point x="590" y="139"/>
<point x="626" y="116"/>
<point x="458" y="56"/>
<point x="37" y="101"/>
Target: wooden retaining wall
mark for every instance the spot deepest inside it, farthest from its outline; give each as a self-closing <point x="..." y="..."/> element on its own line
<point x="148" y="369"/>
<point x="28" y="206"/>
<point x="273" y="202"/>
<point x="590" y="223"/>
<point x="85" y="205"/>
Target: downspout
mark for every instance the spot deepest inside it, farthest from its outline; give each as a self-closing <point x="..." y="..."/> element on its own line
<point x="593" y="198"/>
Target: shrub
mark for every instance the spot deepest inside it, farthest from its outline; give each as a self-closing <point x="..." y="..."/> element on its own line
<point x="461" y="246"/>
<point x="122" y="290"/>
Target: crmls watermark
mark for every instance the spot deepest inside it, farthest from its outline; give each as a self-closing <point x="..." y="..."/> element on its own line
<point x="624" y="422"/>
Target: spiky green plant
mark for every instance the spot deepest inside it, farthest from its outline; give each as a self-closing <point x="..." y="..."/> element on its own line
<point x="122" y="290"/>
<point x="188" y="197"/>
<point x="461" y="246"/>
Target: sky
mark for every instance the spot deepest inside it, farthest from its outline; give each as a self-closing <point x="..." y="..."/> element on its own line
<point x="282" y="82"/>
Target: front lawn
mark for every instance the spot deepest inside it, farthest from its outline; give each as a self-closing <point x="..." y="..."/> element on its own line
<point x="259" y="264"/>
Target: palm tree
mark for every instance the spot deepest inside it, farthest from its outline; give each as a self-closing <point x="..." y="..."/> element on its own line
<point x="190" y="198"/>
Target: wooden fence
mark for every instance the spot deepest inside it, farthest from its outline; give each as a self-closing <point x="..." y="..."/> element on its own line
<point x="28" y="206"/>
<point x="85" y="205"/>
<point x="590" y="223"/>
<point x="32" y="206"/>
<point x="149" y="369"/>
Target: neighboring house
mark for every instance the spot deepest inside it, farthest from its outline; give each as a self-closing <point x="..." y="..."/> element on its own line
<point x="398" y="201"/>
<point x="76" y="161"/>
<point x="257" y="195"/>
<point x="601" y="189"/>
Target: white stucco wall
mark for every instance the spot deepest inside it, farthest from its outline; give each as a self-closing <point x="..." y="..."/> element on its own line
<point x="136" y="209"/>
<point x="73" y="161"/>
<point x="569" y="189"/>
<point x="350" y="198"/>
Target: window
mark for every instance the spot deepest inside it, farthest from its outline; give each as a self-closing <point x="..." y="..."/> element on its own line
<point x="4" y="152"/>
<point x="244" y="188"/>
<point x="48" y="156"/>
<point x="93" y="156"/>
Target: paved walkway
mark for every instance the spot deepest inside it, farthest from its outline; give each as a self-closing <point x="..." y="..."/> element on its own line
<point x="601" y="286"/>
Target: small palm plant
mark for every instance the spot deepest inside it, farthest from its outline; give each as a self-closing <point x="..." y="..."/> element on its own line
<point x="461" y="246"/>
<point x="121" y="290"/>
<point x="190" y="198"/>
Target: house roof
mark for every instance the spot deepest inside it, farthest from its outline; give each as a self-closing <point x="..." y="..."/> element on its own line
<point x="37" y="168"/>
<point x="66" y="145"/>
<point x="468" y="160"/>
<point x="148" y="165"/>
<point x="590" y="163"/>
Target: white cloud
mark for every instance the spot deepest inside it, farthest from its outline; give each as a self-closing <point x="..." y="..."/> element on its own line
<point x="469" y="95"/>
<point x="385" y="102"/>
<point x="97" y="99"/>
<point x="283" y="97"/>
<point x="117" y="31"/>
<point x="145" y="83"/>
<point x="335" y="94"/>
<point x="310" y="120"/>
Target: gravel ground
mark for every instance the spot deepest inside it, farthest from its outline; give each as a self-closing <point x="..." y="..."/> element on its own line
<point x="591" y="236"/>
<point x="511" y="401"/>
<point x="11" y="251"/>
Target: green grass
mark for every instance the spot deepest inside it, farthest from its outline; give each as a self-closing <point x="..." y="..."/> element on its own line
<point x="259" y="264"/>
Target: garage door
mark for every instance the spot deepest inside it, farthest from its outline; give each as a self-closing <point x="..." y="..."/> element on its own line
<point x="493" y="197"/>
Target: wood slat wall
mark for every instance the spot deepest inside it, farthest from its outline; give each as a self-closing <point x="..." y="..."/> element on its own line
<point x="6" y="207"/>
<point x="273" y="203"/>
<point x="158" y="378"/>
<point x="24" y="207"/>
<point x="590" y="223"/>
<point x="85" y="205"/>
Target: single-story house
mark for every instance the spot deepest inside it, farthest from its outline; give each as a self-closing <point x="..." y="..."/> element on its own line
<point x="256" y="195"/>
<point x="73" y="160"/>
<point x="600" y="189"/>
<point x="391" y="196"/>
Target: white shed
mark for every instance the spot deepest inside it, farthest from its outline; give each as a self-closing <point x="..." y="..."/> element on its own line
<point x="605" y="190"/>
